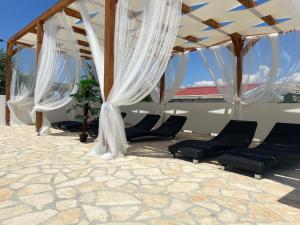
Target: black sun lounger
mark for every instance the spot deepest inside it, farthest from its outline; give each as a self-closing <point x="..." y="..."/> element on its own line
<point x="147" y="123"/>
<point x="65" y="125"/>
<point x="168" y="129"/>
<point x="76" y="126"/>
<point x="282" y="145"/>
<point x="235" y="134"/>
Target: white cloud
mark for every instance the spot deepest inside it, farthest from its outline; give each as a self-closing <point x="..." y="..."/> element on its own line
<point x="260" y="77"/>
<point x="204" y="83"/>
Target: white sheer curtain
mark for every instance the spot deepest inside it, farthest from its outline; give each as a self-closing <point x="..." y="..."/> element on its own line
<point x="22" y="86"/>
<point x="174" y="75"/>
<point x="58" y="68"/>
<point x="287" y="79"/>
<point x="260" y="65"/>
<point x="221" y="65"/>
<point x="260" y="68"/>
<point x="144" y="38"/>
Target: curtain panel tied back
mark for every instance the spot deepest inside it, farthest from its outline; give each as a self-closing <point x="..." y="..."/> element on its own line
<point x="145" y="34"/>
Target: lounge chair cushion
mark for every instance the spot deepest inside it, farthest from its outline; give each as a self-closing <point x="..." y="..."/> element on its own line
<point x="235" y="134"/>
<point x="65" y="124"/>
<point x="168" y="129"/>
<point x="252" y="162"/>
<point x="197" y="149"/>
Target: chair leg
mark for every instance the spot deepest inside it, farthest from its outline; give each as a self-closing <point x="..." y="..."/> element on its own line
<point x="257" y="176"/>
<point x="222" y="167"/>
<point x="173" y="155"/>
<point x="196" y="161"/>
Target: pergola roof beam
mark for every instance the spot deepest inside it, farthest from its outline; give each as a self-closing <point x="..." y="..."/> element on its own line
<point x="45" y="16"/>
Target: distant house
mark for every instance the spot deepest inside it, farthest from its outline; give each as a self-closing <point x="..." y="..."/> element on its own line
<point x="203" y="93"/>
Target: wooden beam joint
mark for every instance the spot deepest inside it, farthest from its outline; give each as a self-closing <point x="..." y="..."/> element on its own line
<point x="185" y="8"/>
<point x="179" y="49"/>
<point x="248" y="3"/>
<point x="270" y="20"/>
<point x="212" y="23"/>
<point x="191" y="38"/>
<point x="73" y="13"/>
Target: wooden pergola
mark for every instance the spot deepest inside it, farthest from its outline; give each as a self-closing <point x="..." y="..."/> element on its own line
<point x="203" y="24"/>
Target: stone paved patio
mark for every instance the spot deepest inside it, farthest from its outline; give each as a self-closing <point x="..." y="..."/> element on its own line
<point x="51" y="180"/>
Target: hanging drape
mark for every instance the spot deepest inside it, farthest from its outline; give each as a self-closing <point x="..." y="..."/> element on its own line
<point x="173" y="78"/>
<point x="287" y="78"/>
<point x="22" y="86"/>
<point x="58" y="68"/>
<point x="144" y="37"/>
<point x="260" y="66"/>
<point x="174" y="75"/>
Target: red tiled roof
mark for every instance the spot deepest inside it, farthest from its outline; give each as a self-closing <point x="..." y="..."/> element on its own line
<point x="205" y="91"/>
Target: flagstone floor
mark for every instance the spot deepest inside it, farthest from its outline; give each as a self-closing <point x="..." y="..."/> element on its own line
<point x="50" y="180"/>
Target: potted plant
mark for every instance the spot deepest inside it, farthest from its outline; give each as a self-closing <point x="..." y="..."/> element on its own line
<point x="88" y="102"/>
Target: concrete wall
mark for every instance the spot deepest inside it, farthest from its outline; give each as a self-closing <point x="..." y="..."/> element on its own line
<point x="203" y="118"/>
<point x="54" y="116"/>
<point x="2" y="110"/>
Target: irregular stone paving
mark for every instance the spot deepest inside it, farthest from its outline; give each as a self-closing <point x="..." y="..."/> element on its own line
<point x="51" y="181"/>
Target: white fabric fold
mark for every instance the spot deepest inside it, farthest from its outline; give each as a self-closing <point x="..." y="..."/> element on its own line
<point x="22" y="86"/>
<point x="143" y="46"/>
<point x="58" y="68"/>
<point x="257" y="81"/>
<point x="174" y="75"/>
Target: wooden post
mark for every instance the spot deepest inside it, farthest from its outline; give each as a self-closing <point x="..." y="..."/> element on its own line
<point x="40" y="35"/>
<point x="238" y="44"/>
<point x="110" y="12"/>
<point x="162" y="88"/>
<point x="9" y="54"/>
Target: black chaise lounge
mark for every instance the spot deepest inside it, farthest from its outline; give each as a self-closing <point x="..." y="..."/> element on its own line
<point x="76" y="126"/>
<point x="235" y="134"/>
<point x="282" y="145"/>
<point x="168" y="129"/>
<point x="146" y="124"/>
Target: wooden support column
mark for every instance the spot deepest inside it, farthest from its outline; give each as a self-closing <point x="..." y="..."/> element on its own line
<point x="162" y="88"/>
<point x="40" y="35"/>
<point x="110" y="12"/>
<point x="9" y="54"/>
<point x="238" y="44"/>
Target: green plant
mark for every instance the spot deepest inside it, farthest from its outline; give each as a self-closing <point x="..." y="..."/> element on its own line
<point x="86" y="98"/>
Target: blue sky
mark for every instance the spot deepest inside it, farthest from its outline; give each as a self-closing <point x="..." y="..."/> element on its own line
<point x="16" y="14"/>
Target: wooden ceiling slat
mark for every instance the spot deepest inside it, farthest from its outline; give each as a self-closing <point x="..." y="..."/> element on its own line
<point x="212" y="23"/>
<point x="248" y="3"/>
<point x="24" y="44"/>
<point x="269" y="20"/>
<point x="191" y="38"/>
<point x="73" y="13"/>
<point x="179" y="49"/>
<point x="83" y="43"/>
<point x="79" y="30"/>
<point x="86" y="57"/>
<point x="84" y="51"/>
<point x="186" y="9"/>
